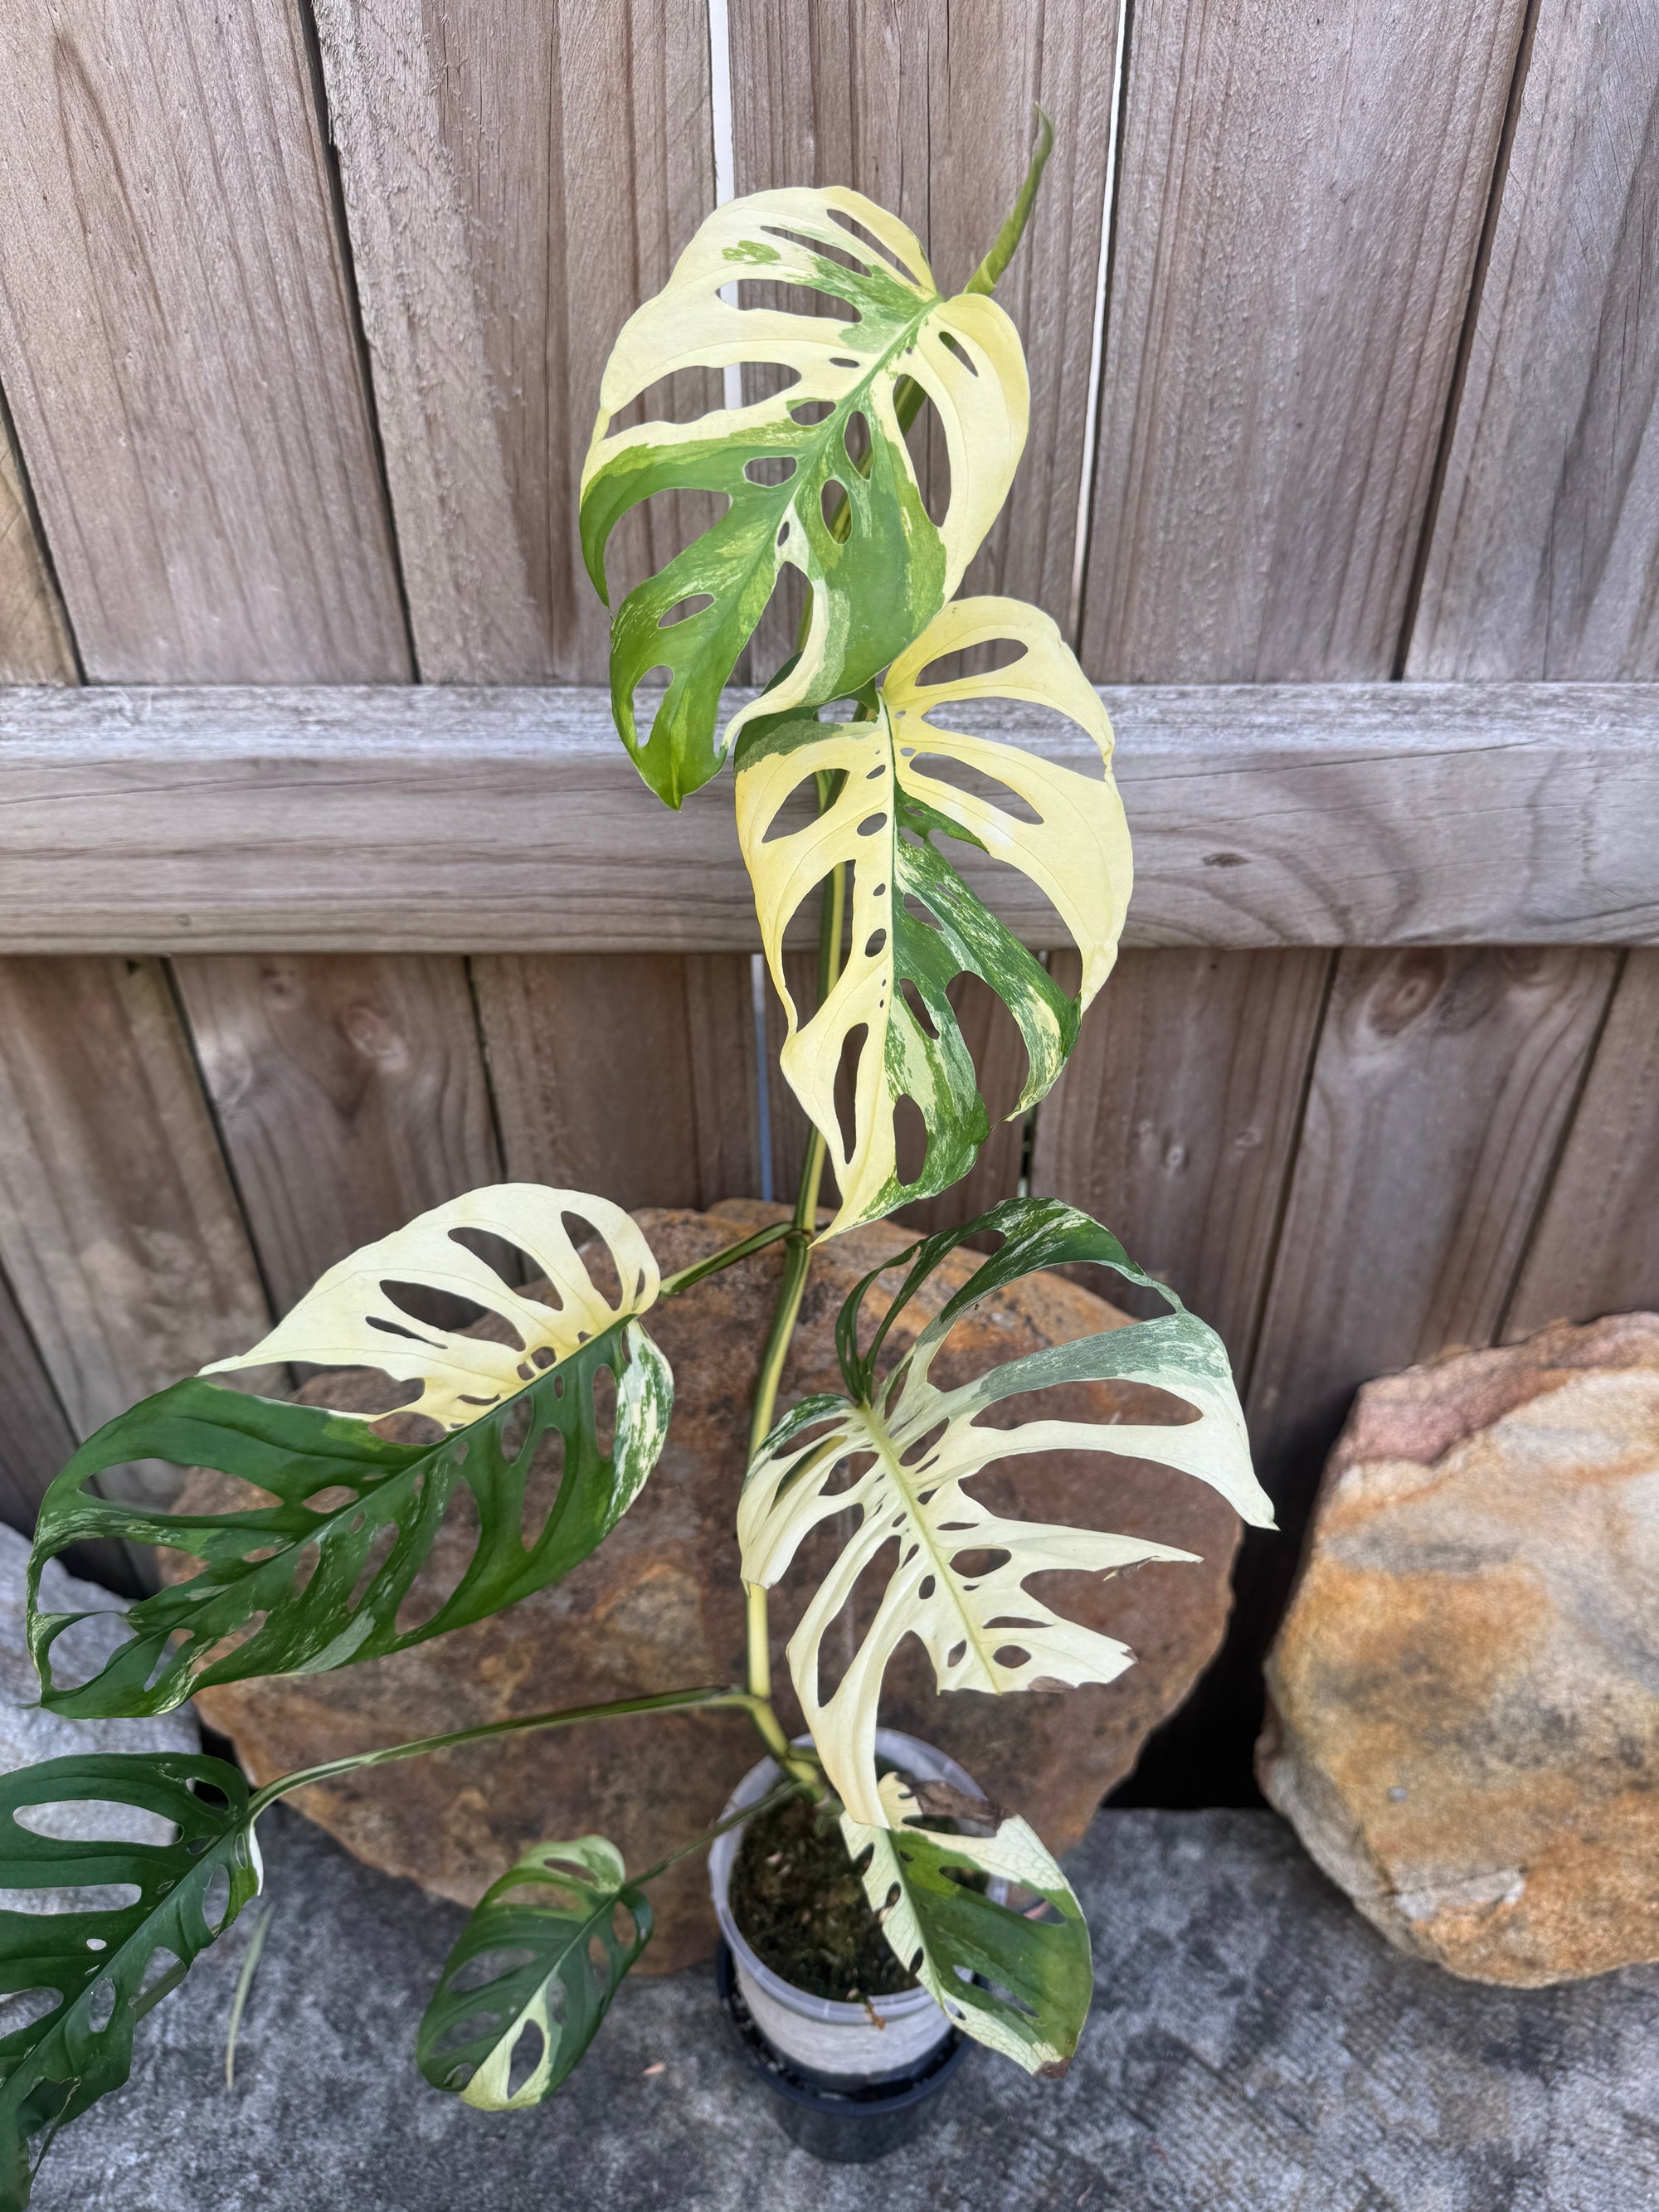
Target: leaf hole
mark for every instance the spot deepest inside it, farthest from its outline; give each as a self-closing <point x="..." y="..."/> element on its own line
<point x="1010" y="1655"/>
<point x="923" y="1444"/>
<point x="770" y="468"/>
<point x="331" y="1498"/>
<point x="512" y="1428"/>
<point x="809" y="413"/>
<point x="910" y="1141"/>
<point x="683" y="610"/>
<point x="847" y="1076"/>
<point x="873" y="825"/>
<point x="876" y="251"/>
<point x="487" y="1967"/>
<point x="856" y="439"/>
<point x="162" y="1969"/>
<point x="831" y="499"/>
<point x="544" y="1480"/>
<point x="605" y="1411"/>
<point x="100" y="2005"/>
<point x="953" y="345"/>
<point x="528" y="2047"/>
<point x="762" y="292"/>
<point x="376" y="1553"/>
<point x="215" y="1898"/>
<point x="24" y="2009"/>
<point x="988" y="658"/>
<point x="874" y="943"/>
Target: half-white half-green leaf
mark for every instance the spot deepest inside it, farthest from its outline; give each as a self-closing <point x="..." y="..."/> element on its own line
<point x="1017" y="1980"/>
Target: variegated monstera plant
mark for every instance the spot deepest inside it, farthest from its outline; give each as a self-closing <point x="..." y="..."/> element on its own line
<point x="864" y="771"/>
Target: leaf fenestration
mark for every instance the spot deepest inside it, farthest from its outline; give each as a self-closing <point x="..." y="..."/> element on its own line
<point x="784" y="462"/>
<point x="554" y="1957"/>
<point x="315" y="1578"/>
<point x="915" y="923"/>
<point x="983" y="1629"/>
<point x="100" y="1961"/>
<point x="1018" y="1984"/>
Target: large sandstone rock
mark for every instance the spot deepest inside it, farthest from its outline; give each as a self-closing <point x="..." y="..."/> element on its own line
<point x="661" y="1604"/>
<point x="1463" y="1701"/>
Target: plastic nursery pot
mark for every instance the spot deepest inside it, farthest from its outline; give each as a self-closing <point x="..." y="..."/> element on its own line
<point x="847" y="2089"/>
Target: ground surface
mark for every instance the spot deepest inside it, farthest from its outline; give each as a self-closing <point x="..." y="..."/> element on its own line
<point x="1255" y="2045"/>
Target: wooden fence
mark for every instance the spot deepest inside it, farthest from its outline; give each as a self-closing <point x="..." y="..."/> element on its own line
<point x="1344" y="476"/>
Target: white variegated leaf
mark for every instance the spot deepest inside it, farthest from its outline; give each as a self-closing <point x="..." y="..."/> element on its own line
<point x="923" y="1446"/>
<point x="349" y="1317"/>
<point x="915" y="924"/>
<point x="785" y="464"/>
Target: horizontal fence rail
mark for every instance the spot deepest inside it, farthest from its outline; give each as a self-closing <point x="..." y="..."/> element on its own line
<point x="438" y="818"/>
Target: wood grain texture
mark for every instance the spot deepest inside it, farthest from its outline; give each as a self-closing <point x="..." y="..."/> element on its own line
<point x="1176" y="1119"/>
<point x="119" y="1229"/>
<point x="516" y="181"/>
<point x="1442" y="1085"/>
<point x="176" y="349"/>
<point x="350" y="1095"/>
<point x="34" y="647"/>
<point x="35" y="1436"/>
<point x="1301" y="196"/>
<point x="235" y="820"/>
<point x="1596" y="1250"/>
<point x="1543" y="561"/>
<point x="629" y="1075"/>
<point x="928" y="109"/>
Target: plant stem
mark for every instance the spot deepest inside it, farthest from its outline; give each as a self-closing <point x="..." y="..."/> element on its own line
<point x="908" y="397"/>
<point x="663" y="1701"/>
<point x="792" y="1285"/>
<point x="725" y="1257"/>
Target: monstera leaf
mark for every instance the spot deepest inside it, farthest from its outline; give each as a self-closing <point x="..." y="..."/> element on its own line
<point x="915" y="1447"/>
<point x="102" y="1962"/>
<point x="320" y="1575"/>
<point x="785" y="465"/>
<point x="536" y="1966"/>
<point x="1021" y="1986"/>
<point x="915" y="924"/>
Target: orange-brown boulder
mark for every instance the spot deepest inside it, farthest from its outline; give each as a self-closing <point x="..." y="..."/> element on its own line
<point x="1463" y="1701"/>
<point x="661" y="1604"/>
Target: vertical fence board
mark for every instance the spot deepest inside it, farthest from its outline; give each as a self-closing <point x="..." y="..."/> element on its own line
<point x="122" y="1238"/>
<point x="516" y="182"/>
<point x="928" y="109"/>
<point x="1441" y="1085"/>
<point x="350" y="1094"/>
<point x="628" y="1074"/>
<point x="1301" y="196"/>
<point x="33" y="644"/>
<point x="1542" y="558"/>
<point x="1176" y="1118"/>
<point x="176" y="347"/>
<point x="35" y="1436"/>
<point x="1596" y="1247"/>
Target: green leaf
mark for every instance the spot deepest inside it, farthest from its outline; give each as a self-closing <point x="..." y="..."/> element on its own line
<point x="915" y="1447"/>
<point x="536" y="1966"/>
<point x="875" y="584"/>
<point x="1031" y="1980"/>
<point x="106" y="1963"/>
<point x="915" y="924"/>
<point x="315" y="1578"/>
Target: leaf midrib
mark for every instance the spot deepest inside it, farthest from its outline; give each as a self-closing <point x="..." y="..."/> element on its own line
<point x="943" y="1572"/>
